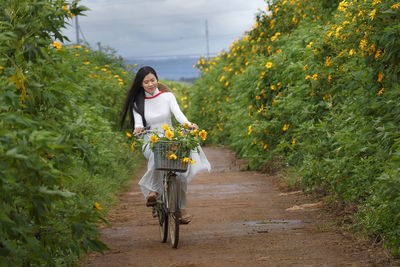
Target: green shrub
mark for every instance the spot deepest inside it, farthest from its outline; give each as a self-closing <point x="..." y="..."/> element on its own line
<point x="315" y="85"/>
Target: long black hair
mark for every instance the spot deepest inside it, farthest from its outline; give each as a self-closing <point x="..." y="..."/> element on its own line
<point x="135" y="97"/>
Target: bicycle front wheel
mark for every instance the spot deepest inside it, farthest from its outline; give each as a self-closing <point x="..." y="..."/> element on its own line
<point x="163" y="222"/>
<point x="173" y="212"/>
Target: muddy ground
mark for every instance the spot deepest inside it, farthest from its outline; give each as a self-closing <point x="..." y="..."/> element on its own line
<point x="239" y="219"/>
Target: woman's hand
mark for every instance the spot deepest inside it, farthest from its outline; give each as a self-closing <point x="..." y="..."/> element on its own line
<point x="194" y="126"/>
<point x="138" y="130"/>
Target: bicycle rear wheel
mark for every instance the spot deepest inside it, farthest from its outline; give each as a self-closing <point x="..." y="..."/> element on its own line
<point x="173" y="211"/>
<point x="163" y="222"/>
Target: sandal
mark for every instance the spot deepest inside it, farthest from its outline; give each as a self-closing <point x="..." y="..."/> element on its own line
<point x="151" y="199"/>
<point x="185" y="219"/>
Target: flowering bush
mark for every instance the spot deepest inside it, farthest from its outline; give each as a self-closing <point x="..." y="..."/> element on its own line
<point x="315" y="83"/>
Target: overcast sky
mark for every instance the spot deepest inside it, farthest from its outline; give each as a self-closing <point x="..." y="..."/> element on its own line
<point x="162" y="28"/>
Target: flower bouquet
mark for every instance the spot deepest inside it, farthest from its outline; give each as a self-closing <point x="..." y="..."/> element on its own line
<point x="172" y="147"/>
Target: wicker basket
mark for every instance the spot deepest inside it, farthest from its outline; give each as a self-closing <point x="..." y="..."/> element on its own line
<point x="161" y="152"/>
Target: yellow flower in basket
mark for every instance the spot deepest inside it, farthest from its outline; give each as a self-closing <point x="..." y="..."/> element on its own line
<point x="166" y="127"/>
<point x="186" y="160"/>
<point x="169" y="134"/>
<point x="154" y="138"/>
<point x="173" y="156"/>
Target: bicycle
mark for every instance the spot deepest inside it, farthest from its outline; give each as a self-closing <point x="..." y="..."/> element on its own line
<point x="167" y="207"/>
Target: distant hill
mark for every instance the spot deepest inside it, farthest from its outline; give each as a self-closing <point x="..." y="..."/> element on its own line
<point x="176" y="69"/>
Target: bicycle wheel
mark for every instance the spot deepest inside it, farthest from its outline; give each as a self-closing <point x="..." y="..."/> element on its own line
<point x="173" y="211"/>
<point x="163" y="222"/>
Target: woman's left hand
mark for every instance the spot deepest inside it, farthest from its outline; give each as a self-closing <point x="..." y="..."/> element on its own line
<point x="194" y="126"/>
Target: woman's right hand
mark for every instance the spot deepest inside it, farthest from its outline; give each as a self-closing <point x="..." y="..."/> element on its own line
<point x="138" y="130"/>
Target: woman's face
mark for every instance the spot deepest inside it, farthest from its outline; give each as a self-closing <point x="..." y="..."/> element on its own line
<point x="150" y="83"/>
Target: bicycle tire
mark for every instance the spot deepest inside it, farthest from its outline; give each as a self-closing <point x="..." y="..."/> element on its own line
<point x="163" y="222"/>
<point x="173" y="211"/>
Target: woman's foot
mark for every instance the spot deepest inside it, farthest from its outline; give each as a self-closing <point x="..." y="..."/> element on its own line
<point x="185" y="217"/>
<point x="151" y="199"/>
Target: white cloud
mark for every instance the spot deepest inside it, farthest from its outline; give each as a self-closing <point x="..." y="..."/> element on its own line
<point x="165" y="27"/>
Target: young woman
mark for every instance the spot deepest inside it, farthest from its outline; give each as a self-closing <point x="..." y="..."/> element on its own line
<point x="147" y="106"/>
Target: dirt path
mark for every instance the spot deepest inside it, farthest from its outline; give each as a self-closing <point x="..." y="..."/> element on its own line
<point x="240" y="219"/>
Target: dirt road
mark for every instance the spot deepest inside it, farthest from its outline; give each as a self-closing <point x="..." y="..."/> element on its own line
<point x="240" y="219"/>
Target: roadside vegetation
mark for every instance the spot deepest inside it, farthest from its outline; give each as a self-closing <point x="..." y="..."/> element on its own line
<point x="62" y="156"/>
<point x="315" y="85"/>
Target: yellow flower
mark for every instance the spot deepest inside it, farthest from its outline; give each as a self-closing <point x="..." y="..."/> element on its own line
<point x="87" y="63"/>
<point x="173" y="157"/>
<point x="261" y="108"/>
<point x="251" y="106"/>
<point x="380" y="77"/>
<point x="186" y="125"/>
<point x="133" y="146"/>
<point x="222" y="78"/>
<point x="343" y="6"/>
<point x="78" y="46"/>
<point x="293" y="141"/>
<point x="120" y="83"/>
<point x="381" y="91"/>
<point x="377" y="54"/>
<point x="308" y="77"/>
<point x="57" y="45"/>
<point x="268" y="65"/>
<point x="154" y="138"/>
<point x="203" y="134"/>
<point x="286" y="127"/>
<point x="273" y="87"/>
<point x="315" y="77"/>
<point x="352" y="52"/>
<point x="395" y="6"/>
<point x="328" y="62"/>
<point x="258" y="97"/>
<point x="330" y="78"/>
<point x="166" y="127"/>
<point x="250" y="130"/>
<point x="192" y="162"/>
<point x="363" y="44"/>
<point x="169" y="134"/>
<point x="103" y="69"/>
<point x="375" y="2"/>
<point x="227" y="99"/>
<point x="65" y="8"/>
<point x="70" y="13"/>
<point x="372" y="14"/>
<point x="107" y="66"/>
<point x="77" y="55"/>
<point x="128" y="134"/>
<point x="226" y="83"/>
<point x="87" y="50"/>
<point x="310" y="44"/>
<point x="1" y="68"/>
<point x="371" y="49"/>
<point x="186" y="160"/>
<point x="305" y="67"/>
<point x="97" y="206"/>
<point x="274" y="101"/>
<point x="185" y="106"/>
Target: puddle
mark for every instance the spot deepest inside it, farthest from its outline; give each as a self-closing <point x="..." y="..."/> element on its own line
<point x="274" y="224"/>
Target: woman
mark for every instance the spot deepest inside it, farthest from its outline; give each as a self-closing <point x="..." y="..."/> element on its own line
<point x="150" y="107"/>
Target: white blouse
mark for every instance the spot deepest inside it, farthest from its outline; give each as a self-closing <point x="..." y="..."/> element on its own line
<point x="158" y="109"/>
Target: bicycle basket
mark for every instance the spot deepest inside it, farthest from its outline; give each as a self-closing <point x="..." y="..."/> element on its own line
<point x="162" y="152"/>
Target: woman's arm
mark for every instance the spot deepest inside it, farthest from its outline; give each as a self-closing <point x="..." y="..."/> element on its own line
<point x="179" y="116"/>
<point x="138" y="122"/>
